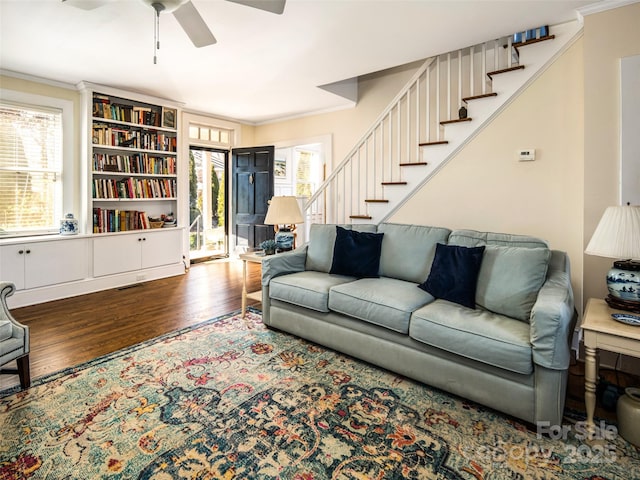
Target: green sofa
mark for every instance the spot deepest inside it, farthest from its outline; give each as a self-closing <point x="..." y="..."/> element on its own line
<point x="511" y="352"/>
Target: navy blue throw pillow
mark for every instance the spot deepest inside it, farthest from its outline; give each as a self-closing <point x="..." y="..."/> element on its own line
<point x="356" y="254"/>
<point x="454" y="274"/>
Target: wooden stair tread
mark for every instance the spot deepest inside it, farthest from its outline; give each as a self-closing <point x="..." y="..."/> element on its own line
<point x="457" y="120"/>
<point x="505" y="70"/>
<point x="476" y="97"/>
<point x="439" y="142"/>
<point x="393" y="183"/>
<point x="413" y="164"/>
<point x="361" y="217"/>
<point x="535" y="40"/>
<point x="376" y="200"/>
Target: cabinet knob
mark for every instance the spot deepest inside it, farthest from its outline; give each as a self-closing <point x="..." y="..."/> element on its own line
<point x="20" y="252"/>
<point x="28" y="251"/>
<point x="139" y="239"/>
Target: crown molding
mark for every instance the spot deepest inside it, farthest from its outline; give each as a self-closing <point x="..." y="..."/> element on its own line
<point x="36" y="79"/>
<point x="602" y="6"/>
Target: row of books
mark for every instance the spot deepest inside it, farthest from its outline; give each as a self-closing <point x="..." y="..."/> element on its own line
<point x="103" y="108"/>
<point x="104" y="188"/>
<point x="125" y="137"/>
<point x="107" y="221"/>
<point x="136" y="163"/>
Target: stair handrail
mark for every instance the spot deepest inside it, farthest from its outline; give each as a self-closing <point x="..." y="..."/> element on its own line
<point x="368" y="133"/>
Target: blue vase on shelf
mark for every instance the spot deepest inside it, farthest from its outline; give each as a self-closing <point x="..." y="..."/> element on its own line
<point x="68" y="225"/>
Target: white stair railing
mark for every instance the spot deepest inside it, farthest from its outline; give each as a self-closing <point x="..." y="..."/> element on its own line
<point x="433" y="94"/>
<point x="407" y="144"/>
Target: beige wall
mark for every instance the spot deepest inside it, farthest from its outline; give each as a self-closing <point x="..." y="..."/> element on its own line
<point x="346" y="127"/>
<point x="486" y="188"/>
<point x="608" y="36"/>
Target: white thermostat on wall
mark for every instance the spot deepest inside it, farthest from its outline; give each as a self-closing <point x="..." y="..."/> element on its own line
<point x="527" y="154"/>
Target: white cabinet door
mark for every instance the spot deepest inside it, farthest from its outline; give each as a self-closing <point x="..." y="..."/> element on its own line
<point x="12" y="264"/>
<point x="37" y="264"/>
<point x="50" y="263"/>
<point x="116" y="254"/>
<point x="161" y="248"/>
<point x="139" y="250"/>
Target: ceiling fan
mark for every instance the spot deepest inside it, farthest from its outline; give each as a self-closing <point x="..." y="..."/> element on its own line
<point x="187" y="16"/>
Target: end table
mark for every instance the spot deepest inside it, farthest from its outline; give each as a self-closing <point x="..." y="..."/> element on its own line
<point x="601" y="331"/>
<point x="257" y="295"/>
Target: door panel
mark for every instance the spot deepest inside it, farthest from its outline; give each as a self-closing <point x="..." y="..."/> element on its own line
<point x="252" y="172"/>
<point x="263" y="192"/>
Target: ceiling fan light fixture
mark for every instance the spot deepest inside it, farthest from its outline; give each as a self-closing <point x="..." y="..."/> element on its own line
<point x="166" y="5"/>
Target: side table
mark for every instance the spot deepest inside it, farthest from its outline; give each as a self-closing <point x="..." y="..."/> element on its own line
<point x="601" y="331"/>
<point x="257" y="295"/>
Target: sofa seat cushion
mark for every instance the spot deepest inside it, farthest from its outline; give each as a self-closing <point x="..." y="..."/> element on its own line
<point x="476" y="334"/>
<point x="383" y="301"/>
<point x="307" y="289"/>
<point x="6" y="330"/>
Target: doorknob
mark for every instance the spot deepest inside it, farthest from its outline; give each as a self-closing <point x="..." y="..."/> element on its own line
<point x="251" y="178"/>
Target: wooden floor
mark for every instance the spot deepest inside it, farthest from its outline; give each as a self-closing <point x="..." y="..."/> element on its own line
<point x="68" y="332"/>
<point x="71" y="331"/>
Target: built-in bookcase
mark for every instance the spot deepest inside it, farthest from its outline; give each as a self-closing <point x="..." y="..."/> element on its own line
<point x="133" y="162"/>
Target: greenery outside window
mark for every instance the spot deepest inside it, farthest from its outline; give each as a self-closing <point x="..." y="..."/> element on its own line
<point x="32" y="155"/>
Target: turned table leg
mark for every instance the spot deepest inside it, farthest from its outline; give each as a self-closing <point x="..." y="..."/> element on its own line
<point x="244" y="287"/>
<point x="590" y="379"/>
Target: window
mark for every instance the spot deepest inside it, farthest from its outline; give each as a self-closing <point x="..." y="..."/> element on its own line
<point x="210" y="135"/>
<point x="31" y="163"/>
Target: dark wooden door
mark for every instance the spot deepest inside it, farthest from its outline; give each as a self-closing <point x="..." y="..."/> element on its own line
<point x="252" y="172"/>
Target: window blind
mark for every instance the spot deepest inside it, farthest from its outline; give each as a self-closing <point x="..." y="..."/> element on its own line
<point x="30" y="169"/>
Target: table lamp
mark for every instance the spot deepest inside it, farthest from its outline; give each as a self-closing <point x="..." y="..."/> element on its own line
<point x="284" y="211"/>
<point x="618" y="236"/>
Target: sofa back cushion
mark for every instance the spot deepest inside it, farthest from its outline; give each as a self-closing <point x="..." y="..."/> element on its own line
<point x="513" y="269"/>
<point x="510" y="279"/>
<point x="472" y="238"/>
<point x="408" y="250"/>
<point x="322" y="238"/>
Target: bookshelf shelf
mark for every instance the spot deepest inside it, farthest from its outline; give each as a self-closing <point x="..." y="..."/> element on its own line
<point x="129" y="174"/>
<point x="134" y="150"/>
<point x="101" y="200"/>
<point x="98" y="120"/>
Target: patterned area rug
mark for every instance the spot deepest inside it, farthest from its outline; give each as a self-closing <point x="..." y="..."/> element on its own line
<point x="231" y="399"/>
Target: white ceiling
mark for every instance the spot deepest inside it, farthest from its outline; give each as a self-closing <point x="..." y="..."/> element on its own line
<point x="264" y="66"/>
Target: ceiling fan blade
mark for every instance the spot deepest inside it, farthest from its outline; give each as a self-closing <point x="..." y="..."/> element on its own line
<point x="86" y="4"/>
<point x="273" y="6"/>
<point x="193" y="25"/>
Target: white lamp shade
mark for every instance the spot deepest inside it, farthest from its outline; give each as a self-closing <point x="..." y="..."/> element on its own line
<point x="618" y="234"/>
<point x="283" y="211"/>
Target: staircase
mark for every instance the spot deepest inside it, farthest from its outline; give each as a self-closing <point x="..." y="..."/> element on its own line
<point x="423" y="127"/>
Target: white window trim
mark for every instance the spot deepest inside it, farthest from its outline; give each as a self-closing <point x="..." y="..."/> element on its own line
<point x="66" y="106"/>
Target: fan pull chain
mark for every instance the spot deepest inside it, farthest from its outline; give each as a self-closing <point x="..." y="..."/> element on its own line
<point x="158" y="7"/>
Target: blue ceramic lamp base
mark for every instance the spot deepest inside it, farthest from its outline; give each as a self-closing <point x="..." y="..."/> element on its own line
<point x="623" y="283"/>
<point x="284" y="239"/>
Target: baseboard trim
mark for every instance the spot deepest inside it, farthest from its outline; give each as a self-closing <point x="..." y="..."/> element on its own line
<point x="23" y="298"/>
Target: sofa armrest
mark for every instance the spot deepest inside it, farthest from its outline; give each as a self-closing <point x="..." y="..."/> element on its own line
<point x="553" y="318"/>
<point x="283" y="263"/>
